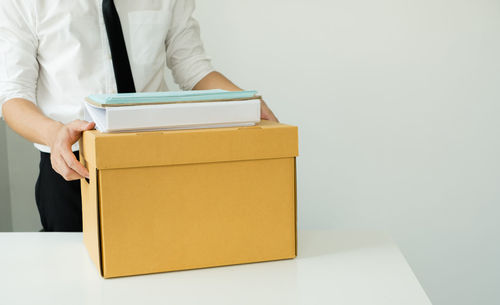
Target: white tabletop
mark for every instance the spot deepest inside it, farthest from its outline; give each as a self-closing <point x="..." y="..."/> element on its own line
<point x="332" y="268"/>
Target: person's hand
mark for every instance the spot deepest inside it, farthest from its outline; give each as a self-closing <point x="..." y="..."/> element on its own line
<point x="266" y="113"/>
<point x="62" y="158"/>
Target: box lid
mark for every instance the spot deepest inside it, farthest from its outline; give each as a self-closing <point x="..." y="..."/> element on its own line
<point x="266" y="140"/>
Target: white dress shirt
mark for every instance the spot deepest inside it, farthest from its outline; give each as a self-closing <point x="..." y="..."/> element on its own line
<point x="54" y="53"/>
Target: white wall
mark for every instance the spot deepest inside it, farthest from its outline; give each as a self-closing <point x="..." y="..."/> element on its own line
<point x="398" y="104"/>
<point x="399" y="115"/>
<point x="23" y="161"/>
<point x="5" y="213"/>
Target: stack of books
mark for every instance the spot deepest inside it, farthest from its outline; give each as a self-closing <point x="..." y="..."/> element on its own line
<point x="172" y="110"/>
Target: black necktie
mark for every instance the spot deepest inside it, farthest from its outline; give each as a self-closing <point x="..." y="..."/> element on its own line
<point x="121" y="63"/>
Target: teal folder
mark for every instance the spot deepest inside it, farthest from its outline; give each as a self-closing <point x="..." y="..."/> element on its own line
<point x="148" y="98"/>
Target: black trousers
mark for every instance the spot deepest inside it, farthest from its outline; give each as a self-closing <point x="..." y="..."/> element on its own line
<point x="59" y="201"/>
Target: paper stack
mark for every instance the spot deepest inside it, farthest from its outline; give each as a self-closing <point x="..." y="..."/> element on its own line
<point x="172" y="110"/>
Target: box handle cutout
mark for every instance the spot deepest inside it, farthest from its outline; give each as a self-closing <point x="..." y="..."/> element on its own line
<point x="84" y="163"/>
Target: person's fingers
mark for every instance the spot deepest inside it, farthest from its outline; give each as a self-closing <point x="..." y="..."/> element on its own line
<point x="60" y="167"/>
<point x="71" y="162"/>
<point x="71" y="175"/>
<point x="81" y="126"/>
<point x="63" y="160"/>
<point x="266" y="113"/>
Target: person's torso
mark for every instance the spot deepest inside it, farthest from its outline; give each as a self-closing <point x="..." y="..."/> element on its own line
<point x="74" y="55"/>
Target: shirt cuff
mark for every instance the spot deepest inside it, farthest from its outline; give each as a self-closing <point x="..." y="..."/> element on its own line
<point x="190" y="73"/>
<point x="7" y="98"/>
<point x="197" y="79"/>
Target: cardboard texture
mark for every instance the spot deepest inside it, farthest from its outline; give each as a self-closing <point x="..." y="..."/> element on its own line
<point x="175" y="200"/>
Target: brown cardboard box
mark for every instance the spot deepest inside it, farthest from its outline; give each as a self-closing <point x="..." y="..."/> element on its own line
<point x="173" y="200"/>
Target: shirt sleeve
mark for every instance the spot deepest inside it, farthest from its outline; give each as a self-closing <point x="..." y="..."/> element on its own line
<point x="185" y="52"/>
<point x="18" y="51"/>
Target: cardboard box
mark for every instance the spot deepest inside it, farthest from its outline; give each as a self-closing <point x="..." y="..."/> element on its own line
<point x="185" y="199"/>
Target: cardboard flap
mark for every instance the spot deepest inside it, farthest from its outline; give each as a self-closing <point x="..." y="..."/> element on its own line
<point x="90" y="211"/>
<point x="158" y="148"/>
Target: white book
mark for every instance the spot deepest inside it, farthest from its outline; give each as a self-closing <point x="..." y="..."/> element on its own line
<point x="204" y="114"/>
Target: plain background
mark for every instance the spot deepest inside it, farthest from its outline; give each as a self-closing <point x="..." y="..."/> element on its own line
<point x="398" y="104"/>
